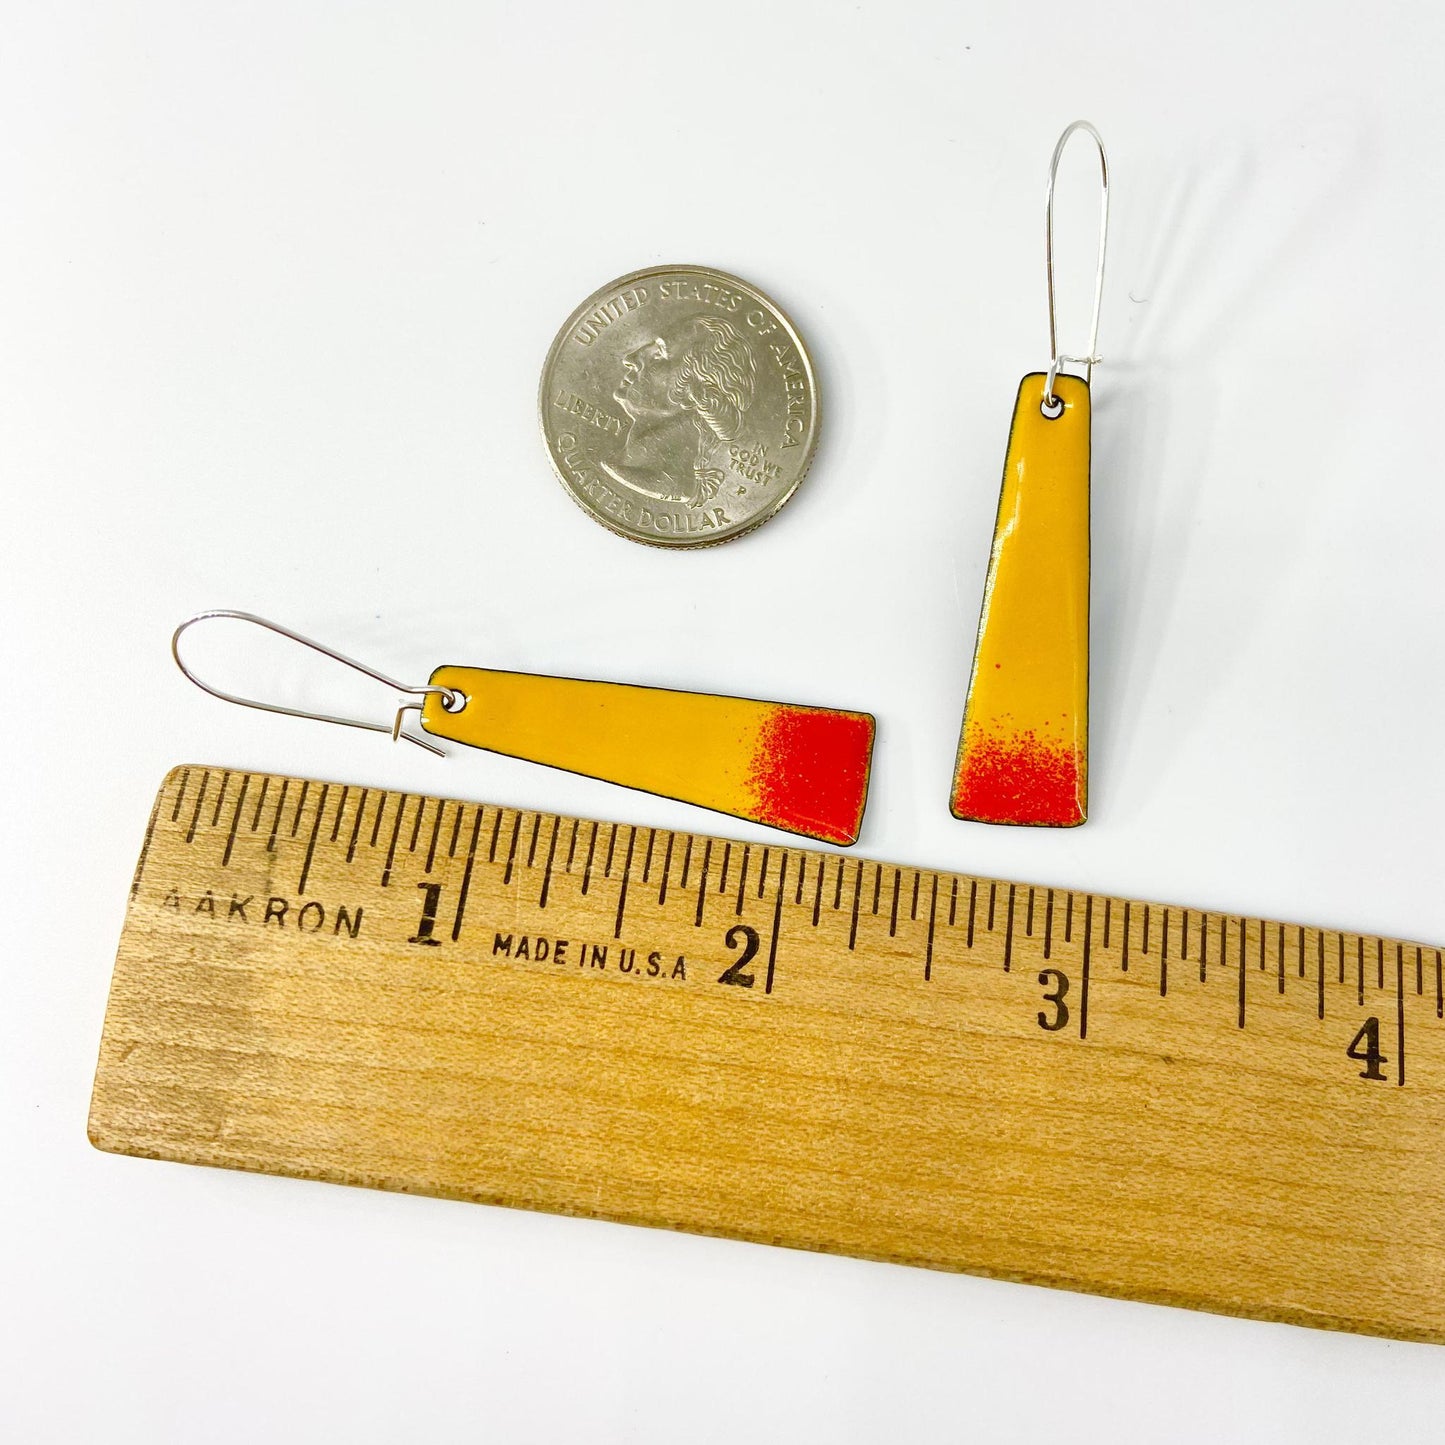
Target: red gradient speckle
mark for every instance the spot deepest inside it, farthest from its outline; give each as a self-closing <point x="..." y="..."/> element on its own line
<point x="1021" y="779"/>
<point x="811" y="772"/>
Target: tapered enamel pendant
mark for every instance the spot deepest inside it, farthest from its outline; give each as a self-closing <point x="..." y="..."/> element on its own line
<point x="802" y="769"/>
<point x="1023" y="755"/>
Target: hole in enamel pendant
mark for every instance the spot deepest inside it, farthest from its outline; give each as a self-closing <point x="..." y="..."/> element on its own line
<point x="454" y="700"/>
<point x="1052" y="408"/>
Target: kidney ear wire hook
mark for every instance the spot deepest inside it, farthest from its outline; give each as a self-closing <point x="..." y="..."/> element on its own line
<point x="452" y="700"/>
<point x="1057" y="358"/>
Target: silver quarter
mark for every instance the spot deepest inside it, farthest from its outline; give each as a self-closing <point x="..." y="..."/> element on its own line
<point x="679" y="406"/>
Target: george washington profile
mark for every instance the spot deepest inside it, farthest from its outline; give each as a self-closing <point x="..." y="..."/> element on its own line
<point x="685" y="392"/>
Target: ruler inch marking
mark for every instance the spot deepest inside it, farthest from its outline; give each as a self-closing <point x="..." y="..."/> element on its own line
<point x="777" y="925"/>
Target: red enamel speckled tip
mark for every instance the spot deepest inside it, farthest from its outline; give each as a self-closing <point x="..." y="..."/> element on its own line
<point x="810" y="772"/>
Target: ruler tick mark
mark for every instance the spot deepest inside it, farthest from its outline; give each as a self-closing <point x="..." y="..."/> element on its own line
<point x="763" y="872"/>
<point x="992" y="895"/>
<point x="893" y="916"/>
<point x="611" y="848"/>
<point x="181" y="794"/>
<point x="551" y="856"/>
<point x="300" y="804"/>
<point x="497" y="833"/>
<point x="913" y="906"/>
<point x="220" y="799"/>
<point x="512" y="849"/>
<point x="145" y="849"/>
<point x="1301" y="950"/>
<point x="340" y="813"/>
<point x="1164" y="956"/>
<point x="818" y="891"/>
<point x="802" y="874"/>
<point x="686" y="862"/>
<point x="532" y="841"/>
<point x="1320" y="974"/>
<point x="467" y="874"/>
<point x="647" y="857"/>
<point x="1184" y="937"/>
<point x="1243" y="967"/>
<point x="1279" y="941"/>
<point x="456" y="829"/>
<point x="1084" y="980"/>
<point x="436" y="828"/>
<point x="666" y="867"/>
<point x="376" y="825"/>
<point x="777" y="924"/>
<point x="1380" y="959"/>
<point x="1107" y="902"/>
<point x="1069" y="919"/>
<point x="972" y="908"/>
<point x="587" y="867"/>
<point x="1124" y="946"/>
<point x="1029" y="925"/>
<point x="200" y="798"/>
<point x="416" y="826"/>
<point x="743" y="879"/>
<point x="1008" y="941"/>
<point x="622" y="889"/>
<point x="311" y="842"/>
<point x="571" y="847"/>
<point x="391" y="849"/>
<point x="1419" y="970"/>
<point x="722" y="883"/>
<point x="877" y="886"/>
<point x="235" y="821"/>
<point x="1144" y="941"/>
<point x="276" y="816"/>
<point x="1203" y="945"/>
<point x="838" y="888"/>
<point x="1049" y="924"/>
<point x="702" y="882"/>
<point x="260" y="803"/>
<point x="932" y="913"/>
<point x="1399" y="1012"/>
<point x="1360" y="969"/>
<point x="953" y="903"/>
<point x="857" y="890"/>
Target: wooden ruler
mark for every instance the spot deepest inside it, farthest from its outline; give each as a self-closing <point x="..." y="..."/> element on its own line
<point x="783" y="1045"/>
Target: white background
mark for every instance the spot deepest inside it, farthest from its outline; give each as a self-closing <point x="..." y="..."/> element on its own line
<point x="275" y="285"/>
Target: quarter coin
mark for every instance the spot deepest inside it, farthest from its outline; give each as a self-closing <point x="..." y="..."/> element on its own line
<point x="679" y="406"/>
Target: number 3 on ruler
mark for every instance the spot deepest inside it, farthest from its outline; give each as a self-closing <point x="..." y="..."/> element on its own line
<point x="1060" y="981"/>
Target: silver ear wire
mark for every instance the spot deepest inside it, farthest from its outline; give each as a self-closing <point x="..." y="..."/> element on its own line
<point x="1056" y="358"/>
<point x="450" y="698"/>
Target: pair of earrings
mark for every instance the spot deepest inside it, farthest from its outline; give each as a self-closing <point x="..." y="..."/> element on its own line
<point x="1023" y="752"/>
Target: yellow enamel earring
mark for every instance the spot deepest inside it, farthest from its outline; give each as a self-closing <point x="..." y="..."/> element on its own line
<point x="798" y="768"/>
<point x="1023" y="754"/>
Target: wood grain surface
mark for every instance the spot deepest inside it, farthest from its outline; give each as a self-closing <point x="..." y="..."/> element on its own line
<point x="783" y="1045"/>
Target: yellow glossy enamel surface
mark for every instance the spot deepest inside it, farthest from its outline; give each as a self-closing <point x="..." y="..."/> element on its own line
<point x="1023" y="753"/>
<point x="803" y="769"/>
